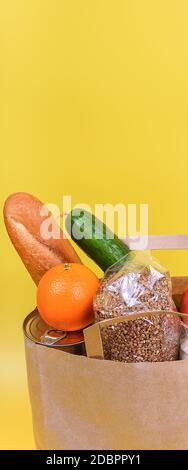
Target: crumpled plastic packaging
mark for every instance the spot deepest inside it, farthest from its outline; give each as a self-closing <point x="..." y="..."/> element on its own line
<point x="184" y="341"/>
<point x="138" y="282"/>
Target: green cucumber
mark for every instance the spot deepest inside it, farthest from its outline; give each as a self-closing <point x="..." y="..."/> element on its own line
<point x="95" y="239"/>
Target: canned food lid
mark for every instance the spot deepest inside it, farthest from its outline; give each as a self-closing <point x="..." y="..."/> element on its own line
<point x="38" y="331"/>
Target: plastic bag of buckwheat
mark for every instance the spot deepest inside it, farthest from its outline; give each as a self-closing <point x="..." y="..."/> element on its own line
<point x="136" y="283"/>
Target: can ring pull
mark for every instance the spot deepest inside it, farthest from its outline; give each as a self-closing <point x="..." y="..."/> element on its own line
<point x="49" y="340"/>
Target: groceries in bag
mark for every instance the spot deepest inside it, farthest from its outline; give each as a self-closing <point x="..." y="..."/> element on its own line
<point x="184" y="325"/>
<point x="65" y="296"/>
<point x="23" y="216"/>
<point x="134" y="284"/>
<point x="184" y="305"/>
<point x="39" y="332"/>
<point x="95" y="238"/>
<point x="184" y="341"/>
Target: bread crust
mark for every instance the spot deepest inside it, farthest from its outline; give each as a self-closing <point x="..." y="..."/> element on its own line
<point x="23" y="221"/>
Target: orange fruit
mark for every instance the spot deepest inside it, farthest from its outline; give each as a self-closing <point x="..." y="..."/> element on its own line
<point x="65" y="296"/>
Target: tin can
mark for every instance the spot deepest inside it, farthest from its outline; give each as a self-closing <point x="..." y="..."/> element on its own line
<point x="40" y="333"/>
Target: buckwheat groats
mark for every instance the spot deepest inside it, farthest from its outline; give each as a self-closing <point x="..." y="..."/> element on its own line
<point x="134" y="284"/>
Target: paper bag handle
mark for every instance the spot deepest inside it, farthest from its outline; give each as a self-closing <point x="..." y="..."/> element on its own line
<point x="162" y="242"/>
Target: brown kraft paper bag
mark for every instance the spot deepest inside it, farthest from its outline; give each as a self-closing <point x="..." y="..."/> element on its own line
<point x="83" y="403"/>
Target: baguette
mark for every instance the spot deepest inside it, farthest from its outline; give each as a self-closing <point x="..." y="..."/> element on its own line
<point x="23" y="221"/>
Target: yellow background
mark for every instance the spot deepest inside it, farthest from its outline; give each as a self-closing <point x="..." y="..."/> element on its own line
<point x="93" y="103"/>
